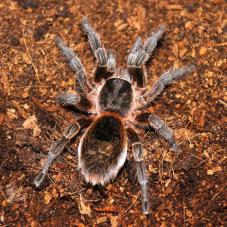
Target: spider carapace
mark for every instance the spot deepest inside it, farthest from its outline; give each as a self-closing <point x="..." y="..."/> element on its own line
<point x="113" y="106"/>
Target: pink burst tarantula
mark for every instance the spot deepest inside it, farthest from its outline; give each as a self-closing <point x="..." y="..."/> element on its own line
<point x="113" y="107"/>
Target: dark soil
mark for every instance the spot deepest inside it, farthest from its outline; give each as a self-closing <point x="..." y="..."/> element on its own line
<point x="184" y="191"/>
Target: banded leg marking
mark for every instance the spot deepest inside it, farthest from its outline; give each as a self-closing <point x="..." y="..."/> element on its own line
<point x="75" y="65"/>
<point x="166" y="79"/>
<point x="106" y="62"/>
<point x="55" y="150"/>
<point x="140" y="167"/>
<point x="139" y="54"/>
<point x="164" y="131"/>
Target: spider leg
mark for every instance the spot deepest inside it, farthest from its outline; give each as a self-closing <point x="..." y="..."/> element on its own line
<point x="111" y="61"/>
<point x="140" y="167"/>
<point x="68" y="100"/>
<point x="75" y="101"/>
<point x="166" y="79"/>
<point x="151" y="119"/>
<point x="75" y="65"/>
<point x="139" y="54"/>
<point x="57" y="148"/>
<point x="106" y="62"/>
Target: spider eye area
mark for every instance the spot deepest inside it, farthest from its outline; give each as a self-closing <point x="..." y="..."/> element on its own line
<point x="116" y="95"/>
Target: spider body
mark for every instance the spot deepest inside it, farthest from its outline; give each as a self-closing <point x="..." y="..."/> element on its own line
<point x="103" y="150"/>
<point x="117" y="101"/>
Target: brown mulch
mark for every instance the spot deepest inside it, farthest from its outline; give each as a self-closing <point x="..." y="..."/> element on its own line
<point x="184" y="191"/>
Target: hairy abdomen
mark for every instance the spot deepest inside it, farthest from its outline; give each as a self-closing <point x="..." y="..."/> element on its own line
<point x="102" y="150"/>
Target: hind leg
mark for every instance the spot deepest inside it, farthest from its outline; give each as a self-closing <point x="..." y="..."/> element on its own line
<point x="58" y="147"/>
<point x="140" y="167"/>
<point x="151" y="119"/>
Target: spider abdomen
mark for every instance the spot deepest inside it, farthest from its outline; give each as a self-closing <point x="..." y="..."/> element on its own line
<point x="102" y="150"/>
<point x="116" y="95"/>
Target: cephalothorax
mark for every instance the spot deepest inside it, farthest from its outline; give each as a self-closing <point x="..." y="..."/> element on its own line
<point x="114" y="105"/>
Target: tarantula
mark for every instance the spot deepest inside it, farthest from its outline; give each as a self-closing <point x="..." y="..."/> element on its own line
<point x="114" y="106"/>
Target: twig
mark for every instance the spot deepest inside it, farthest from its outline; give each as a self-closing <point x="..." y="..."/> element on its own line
<point x="127" y="210"/>
<point x="222" y="102"/>
<point x="29" y="55"/>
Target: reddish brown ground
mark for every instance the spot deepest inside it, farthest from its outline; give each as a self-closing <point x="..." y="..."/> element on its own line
<point x="187" y="192"/>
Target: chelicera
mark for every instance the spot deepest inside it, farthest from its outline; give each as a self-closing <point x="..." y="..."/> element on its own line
<point x="113" y="106"/>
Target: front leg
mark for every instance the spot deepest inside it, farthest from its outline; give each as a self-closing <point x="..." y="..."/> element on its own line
<point x="150" y="119"/>
<point x="106" y="63"/>
<point x="75" y="101"/>
<point x="57" y="148"/>
<point x="139" y="54"/>
<point x="76" y="66"/>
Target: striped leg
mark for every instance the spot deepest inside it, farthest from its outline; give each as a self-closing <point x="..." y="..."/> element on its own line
<point x="69" y="100"/>
<point x="106" y="62"/>
<point x="158" y="124"/>
<point x="75" y="101"/>
<point x="57" y="148"/>
<point x="166" y="79"/>
<point x="139" y="54"/>
<point x="140" y="167"/>
<point x="76" y="66"/>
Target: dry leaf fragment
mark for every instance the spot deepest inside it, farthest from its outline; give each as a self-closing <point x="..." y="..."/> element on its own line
<point x="188" y="213"/>
<point x="214" y="170"/>
<point x="26" y="59"/>
<point x="11" y="113"/>
<point x="55" y="193"/>
<point x="20" y="110"/>
<point x="217" y="169"/>
<point x="101" y="220"/>
<point x="31" y="123"/>
<point x="183" y="134"/>
<point x="108" y="209"/>
<point x="2" y="117"/>
<point x="83" y="208"/>
<point x="5" y="82"/>
<point x="210" y="172"/>
<point x="174" y="7"/>
<point x="206" y="154"/>
<point x="25" y="94"/>
<point x="202" y="51"/>
<point x="80" y="225"/>
<point x="47" y="198"/>
<point x="113" y="221"/>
